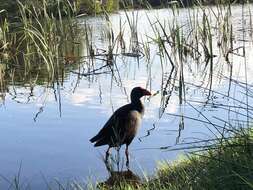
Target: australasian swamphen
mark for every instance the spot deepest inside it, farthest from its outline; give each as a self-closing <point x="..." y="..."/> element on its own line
<point x="123" y="125"/>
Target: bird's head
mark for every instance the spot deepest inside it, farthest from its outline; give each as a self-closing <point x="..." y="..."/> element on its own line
<point x="138" y="92"/>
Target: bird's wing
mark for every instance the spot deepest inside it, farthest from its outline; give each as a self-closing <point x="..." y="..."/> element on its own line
<point x="113" y="125"/>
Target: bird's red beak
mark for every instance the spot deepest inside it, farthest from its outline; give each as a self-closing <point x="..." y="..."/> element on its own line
<point x="146" y="92"/>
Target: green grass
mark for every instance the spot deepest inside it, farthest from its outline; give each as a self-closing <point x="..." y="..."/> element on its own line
<point x="225" y="165"/>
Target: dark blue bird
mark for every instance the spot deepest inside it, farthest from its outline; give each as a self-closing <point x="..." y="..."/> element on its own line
<point x="123" y="125"/>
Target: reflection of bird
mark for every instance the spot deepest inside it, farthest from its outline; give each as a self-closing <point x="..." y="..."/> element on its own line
<point x="122" y="126"/>
<point x="116" y="177"/>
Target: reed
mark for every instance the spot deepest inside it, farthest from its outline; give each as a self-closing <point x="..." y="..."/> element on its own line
<point x="40" y="36"/>
<point x="41" y="41"/>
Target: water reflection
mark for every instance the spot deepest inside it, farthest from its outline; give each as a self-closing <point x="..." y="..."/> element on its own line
<point x="118" y="176"/>
<point x="73" y="104"/>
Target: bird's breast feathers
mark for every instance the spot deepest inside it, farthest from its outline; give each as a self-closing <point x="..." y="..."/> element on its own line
<point x="135" y="120"/>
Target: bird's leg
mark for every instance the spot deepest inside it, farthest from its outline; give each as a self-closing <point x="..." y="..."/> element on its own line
<point x="127" y="157"/>
<point x="107" y="154"/>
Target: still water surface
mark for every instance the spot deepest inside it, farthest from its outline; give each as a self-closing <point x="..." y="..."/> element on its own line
<point x="46" y="133"/>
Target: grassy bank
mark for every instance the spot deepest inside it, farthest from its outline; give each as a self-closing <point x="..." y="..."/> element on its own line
<point x="227" y="164"/>
<point x="51" y="44"/>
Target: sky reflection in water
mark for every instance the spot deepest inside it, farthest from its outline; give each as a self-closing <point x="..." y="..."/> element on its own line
<point x="57" y="145"/>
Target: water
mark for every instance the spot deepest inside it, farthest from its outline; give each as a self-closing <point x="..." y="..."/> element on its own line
<point x="45" y="132"/>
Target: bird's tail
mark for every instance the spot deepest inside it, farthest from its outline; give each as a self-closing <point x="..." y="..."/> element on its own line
<point x="101" y="142"/>
<point x="93" y="139"/>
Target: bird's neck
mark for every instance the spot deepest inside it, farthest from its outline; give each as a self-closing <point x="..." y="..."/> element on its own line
<point x="138" y="105"/>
